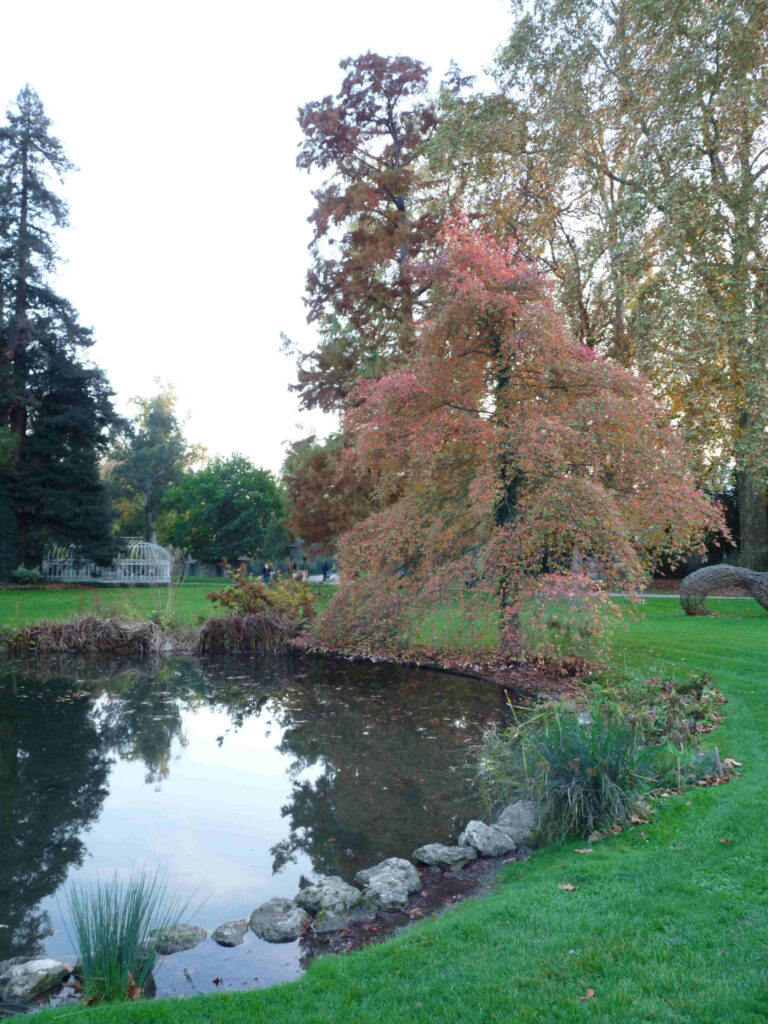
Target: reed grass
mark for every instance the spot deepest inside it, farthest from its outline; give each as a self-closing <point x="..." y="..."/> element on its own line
<point x="112" y="922"/>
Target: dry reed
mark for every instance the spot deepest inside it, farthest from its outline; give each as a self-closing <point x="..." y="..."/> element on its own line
<point x="89" y="634"/>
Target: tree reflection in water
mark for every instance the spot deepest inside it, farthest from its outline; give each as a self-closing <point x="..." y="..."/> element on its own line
<point x="53" y="774"/>
<point x="377" y="758"/>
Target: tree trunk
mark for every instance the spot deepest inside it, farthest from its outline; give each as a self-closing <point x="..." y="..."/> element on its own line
<point x="753" y="523"/>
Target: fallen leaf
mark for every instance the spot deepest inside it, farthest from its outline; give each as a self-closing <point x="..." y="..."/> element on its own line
<point x="217" y="981"/>
<point x="637" y="820"/>
<point x="132" y="990"/>
<point x="730" y="763"/>
<point x="567" y="886"/>
<point x="589" y="994"/>
<point x="688" y="803"/>
<point x="589" y="849"/>
<point x="726" y="842"/>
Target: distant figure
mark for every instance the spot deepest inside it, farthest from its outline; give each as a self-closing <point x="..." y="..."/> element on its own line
<point x="304" y="569"/>
<point x="265" y="573"/>
<point x="325" y="570"/>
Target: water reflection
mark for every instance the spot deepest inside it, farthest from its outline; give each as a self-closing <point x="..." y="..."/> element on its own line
<point x="252" y="769"/>
<point x="53" y="773"/>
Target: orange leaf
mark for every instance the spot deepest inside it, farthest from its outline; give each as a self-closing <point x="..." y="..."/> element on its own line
<point x="589" y="994"/>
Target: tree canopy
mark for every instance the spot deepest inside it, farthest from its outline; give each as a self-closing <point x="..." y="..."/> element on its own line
<point x="506" y="449"/>
<point x="148" y="459"/>
<point x="224" y="510"/>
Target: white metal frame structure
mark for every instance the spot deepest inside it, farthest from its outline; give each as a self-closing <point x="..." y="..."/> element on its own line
<point x="138" y="562"/>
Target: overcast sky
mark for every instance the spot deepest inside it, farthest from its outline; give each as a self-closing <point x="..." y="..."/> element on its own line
<point x="187" y="246"/>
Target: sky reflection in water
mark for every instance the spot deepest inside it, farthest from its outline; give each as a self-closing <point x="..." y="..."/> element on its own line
<point x="236" y="777"/>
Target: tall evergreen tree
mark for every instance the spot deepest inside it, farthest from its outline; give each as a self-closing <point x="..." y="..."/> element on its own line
<point x="54" y="409"/>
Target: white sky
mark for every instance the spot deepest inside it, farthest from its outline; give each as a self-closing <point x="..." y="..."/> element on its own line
<point x="187" y="246"/>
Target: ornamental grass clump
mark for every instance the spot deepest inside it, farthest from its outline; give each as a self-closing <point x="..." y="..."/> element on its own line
<point x="112" y="922"/>
<point x="585" y="771"/>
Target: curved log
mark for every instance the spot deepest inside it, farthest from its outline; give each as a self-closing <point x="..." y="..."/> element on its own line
<point x="695" y="588"/>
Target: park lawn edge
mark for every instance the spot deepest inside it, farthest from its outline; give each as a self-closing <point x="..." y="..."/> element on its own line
<point x="666" y="922"/>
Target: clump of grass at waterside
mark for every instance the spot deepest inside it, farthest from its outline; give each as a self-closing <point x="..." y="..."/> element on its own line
<point x="267" y="632"/>
<point x="590" y="768"/>
<point x="112" y="922"/>
<point x="88" y="634"/>
<point x="583" y="772"/>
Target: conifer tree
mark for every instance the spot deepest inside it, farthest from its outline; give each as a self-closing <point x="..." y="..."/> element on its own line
<point x="54" y="409"/>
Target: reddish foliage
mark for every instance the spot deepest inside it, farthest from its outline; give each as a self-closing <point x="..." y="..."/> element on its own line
<point x="506" y="451"/>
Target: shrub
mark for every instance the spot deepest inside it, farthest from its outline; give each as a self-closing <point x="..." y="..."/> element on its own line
<point x="112" y="923"/>
<point x="248" y="595"/>
<point x="585" y="771"/>
<point x="25" y="576"/>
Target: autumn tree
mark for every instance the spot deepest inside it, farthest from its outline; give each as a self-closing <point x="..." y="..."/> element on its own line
<point x="376" y="215"/>
<point x="506" y="449"/>
<point x="325" y="497"/>
<point x="625" y="150"/>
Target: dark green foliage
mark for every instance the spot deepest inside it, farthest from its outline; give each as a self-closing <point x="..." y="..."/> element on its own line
<point x="223" y="510"/>
<point x="60" y="492"/>
<point x="55" y="411"/>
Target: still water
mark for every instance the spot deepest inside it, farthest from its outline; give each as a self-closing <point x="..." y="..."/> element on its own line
<point x="236" y="777"/>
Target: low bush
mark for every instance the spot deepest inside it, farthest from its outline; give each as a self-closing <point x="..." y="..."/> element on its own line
<point x="247" y="595"/>
<point x="112" y="922"/>
<point x="25" y="576"/>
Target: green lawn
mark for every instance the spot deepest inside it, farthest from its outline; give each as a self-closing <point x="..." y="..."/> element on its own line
<point x="22" y="606"/>
<point x="668" y="923"/>
<point x="188" y="602"/>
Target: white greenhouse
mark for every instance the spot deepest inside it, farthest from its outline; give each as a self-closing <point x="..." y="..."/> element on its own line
<point x="138" y="562"/>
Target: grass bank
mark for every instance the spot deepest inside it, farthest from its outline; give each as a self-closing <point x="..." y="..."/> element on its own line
<point x="667" y="921"/>
<point x="187" y="602"/>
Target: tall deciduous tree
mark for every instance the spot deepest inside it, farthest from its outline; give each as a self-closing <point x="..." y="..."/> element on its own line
<point x="505" y="446"/>
<point x="325" y="497"/>
<point x="224" y="510"/>
<point x="627" y="151"/>
<point x="377" y="214"/>
<point x="55" y="410"/>
<point x="149" y="460"/>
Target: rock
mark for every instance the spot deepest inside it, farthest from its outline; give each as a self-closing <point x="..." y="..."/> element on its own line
<point x="390" y="882"/>
<point x="440" y="856"/>
<point x="278" y="920"/>
<point x="518" y="820"/>
<point x="230" y="934"/>
<point x="177" y="938"/>
<point x="335" y="904"/>
<point x="487" y="839"/>
<point x="24" y="978"/>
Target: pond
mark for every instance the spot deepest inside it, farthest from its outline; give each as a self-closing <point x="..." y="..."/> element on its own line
<point x="238" y="778"/>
